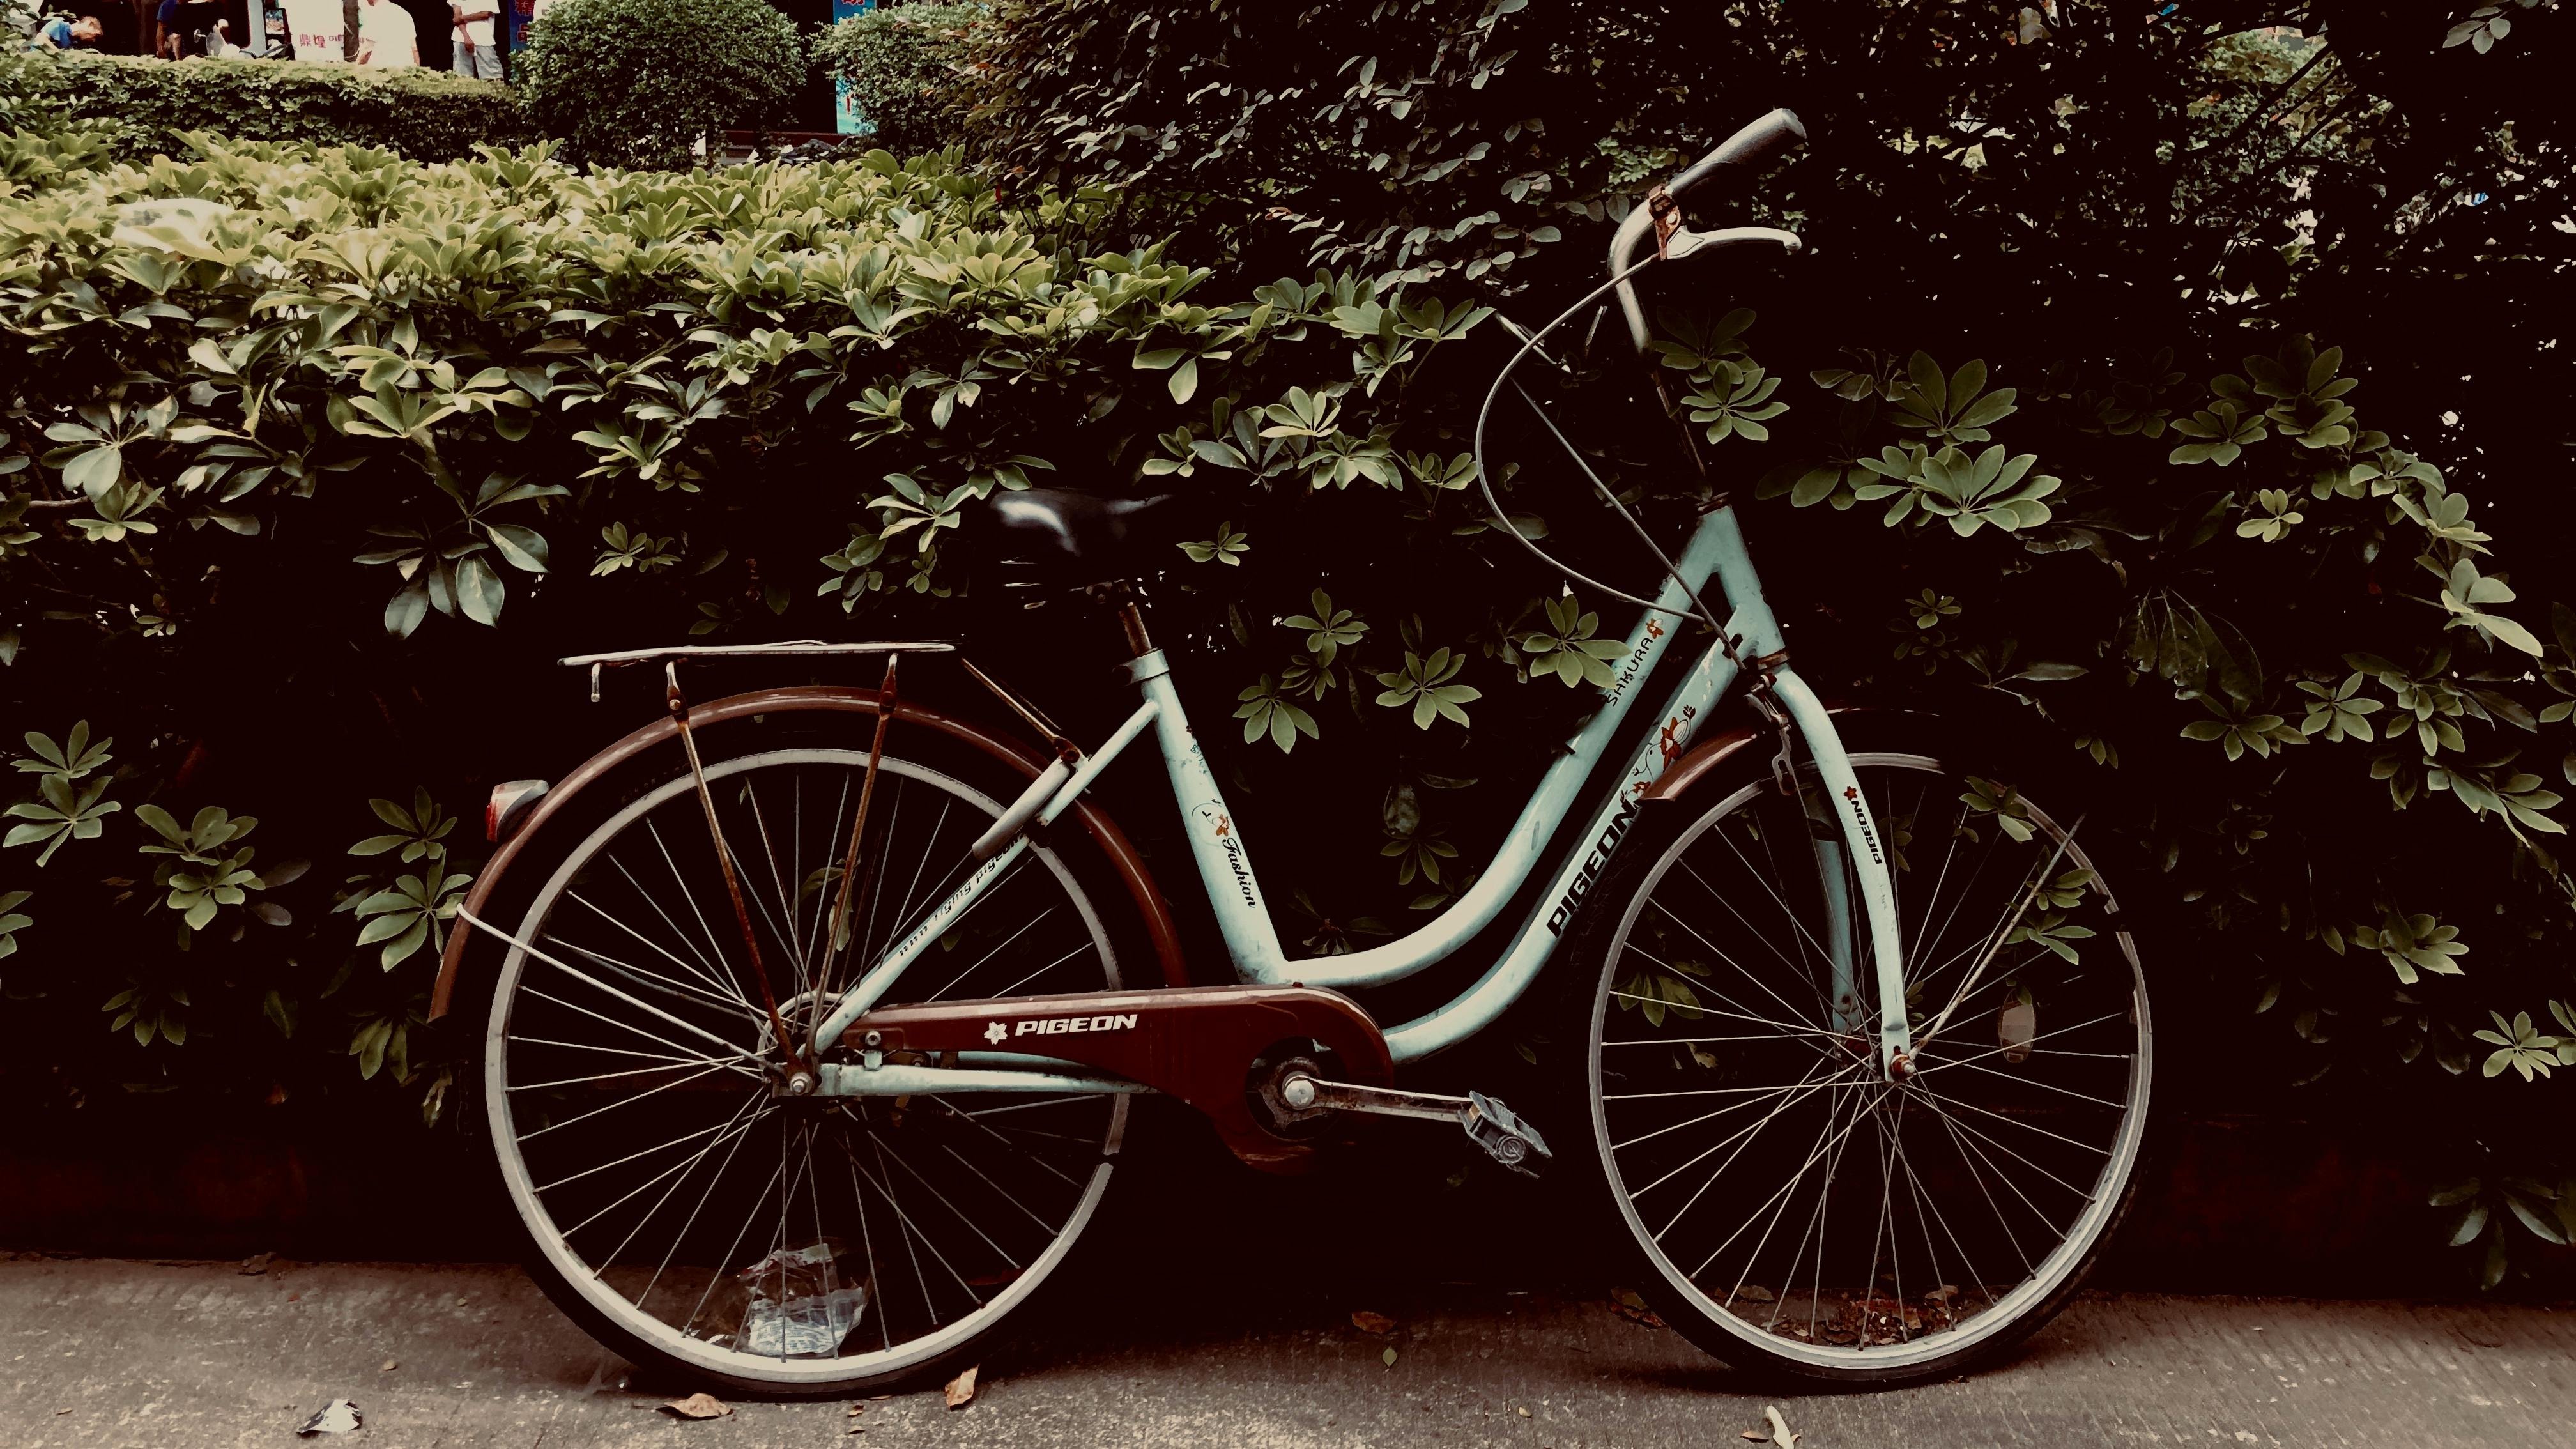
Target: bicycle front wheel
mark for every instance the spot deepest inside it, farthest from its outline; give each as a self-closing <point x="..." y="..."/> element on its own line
<point x="1788" y="1206"/>
<point x="680" y="1209"/>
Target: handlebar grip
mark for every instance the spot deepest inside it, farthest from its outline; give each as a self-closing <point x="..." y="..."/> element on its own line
<point x="1752" y="146"/>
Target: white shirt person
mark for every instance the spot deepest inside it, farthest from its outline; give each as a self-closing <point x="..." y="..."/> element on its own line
<point x="386" y="35"/>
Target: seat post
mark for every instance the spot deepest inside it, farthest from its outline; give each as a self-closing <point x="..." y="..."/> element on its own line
<point x="1132" y="619"/>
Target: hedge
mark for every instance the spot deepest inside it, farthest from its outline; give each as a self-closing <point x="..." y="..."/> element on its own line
<point x="145" y="106"/>
<point x="901" y="65"/>
<point x="646" y="82"/>
<point x="309" y="456"/>
<point x="377" y="407"/>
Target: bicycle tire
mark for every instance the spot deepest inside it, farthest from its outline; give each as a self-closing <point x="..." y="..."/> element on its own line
<point x="1869" y="1332"/>
<point x="741" y="762"/>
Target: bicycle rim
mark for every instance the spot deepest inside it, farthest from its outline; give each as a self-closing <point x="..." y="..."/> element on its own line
<point x="788" y="1243"/>
<point x="1787" y="1195"/>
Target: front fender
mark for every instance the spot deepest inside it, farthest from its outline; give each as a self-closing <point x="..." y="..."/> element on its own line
<point x="1705" y="758"/>
<point x="1026" y="759"/>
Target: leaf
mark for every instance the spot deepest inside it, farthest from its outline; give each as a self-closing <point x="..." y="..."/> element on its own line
<point x="2542" y="1225"/>
<point x="525" y="548"/>
<point x="479" y="590"/>
<point x="702" y="1406"/>
<point x="2471" y="1223"/>
<point x="1387" y="1358"/>
<point x="95" y="472"/>
<point x="405" y="611"/>
<point x="1367" y="1322"/>
<point x="960" y="1391"/>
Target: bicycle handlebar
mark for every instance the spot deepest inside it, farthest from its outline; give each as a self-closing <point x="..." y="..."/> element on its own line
<point x="1752" y="146"/>
<point x="1734" y="158"/>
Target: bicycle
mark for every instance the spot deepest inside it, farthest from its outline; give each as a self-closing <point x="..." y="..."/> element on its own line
<point x="808" y="1063"/>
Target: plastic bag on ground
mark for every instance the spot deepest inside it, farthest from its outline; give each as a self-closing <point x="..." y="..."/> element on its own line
<point x="800" y="1305"/>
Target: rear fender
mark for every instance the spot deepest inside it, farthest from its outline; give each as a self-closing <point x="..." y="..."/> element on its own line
<point x="1026" y="759"/>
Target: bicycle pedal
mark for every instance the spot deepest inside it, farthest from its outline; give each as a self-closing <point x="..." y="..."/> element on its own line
<point x="1490" y="1125"/>
<point x="1505" y="1137"/>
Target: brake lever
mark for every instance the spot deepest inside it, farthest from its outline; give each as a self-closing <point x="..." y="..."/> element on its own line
<point x="1687" y="243"/>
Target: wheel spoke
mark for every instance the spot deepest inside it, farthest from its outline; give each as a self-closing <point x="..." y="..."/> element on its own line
<point x="715" y="950"/>
<point x="1939" y="1064"/>
<point x="1712" y="946"/>
<point x="622" y="1102"/>
<point x="2016" y="1121"/>
<point x="733" y="1052"/>
<point x="1806" y="940"/>
<point x="727" y="1130"/>
<point x="655" y="981"/>
<point x="2006" y="1148"/>
<point x="989" y="955"/>
<point x="723" y="987"/>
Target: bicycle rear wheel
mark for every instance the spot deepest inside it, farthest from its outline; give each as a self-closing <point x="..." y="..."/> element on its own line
<point x="684" y="1213"/>
<point x="1783" y="1204"/>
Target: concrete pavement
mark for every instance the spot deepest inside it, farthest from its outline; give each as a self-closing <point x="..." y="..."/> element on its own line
<point x="193" y="1356"/>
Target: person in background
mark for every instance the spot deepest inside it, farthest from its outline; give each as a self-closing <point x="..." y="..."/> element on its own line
<point x="386" y="35"/>
<point x="61" y="32"/>
<point x="476" y="54"/>
<point x="191" y="27"/>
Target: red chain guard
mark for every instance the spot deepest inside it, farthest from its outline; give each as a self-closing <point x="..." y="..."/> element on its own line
<point x="1196" y="1044"/>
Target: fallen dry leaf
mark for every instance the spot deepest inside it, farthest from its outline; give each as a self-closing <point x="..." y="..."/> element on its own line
<point x="1756" y="1435"/>
<point x="1631" y="1305"/>
<point x="1781" y="1438"/>
<point x="1388" y="1358"/>
<point x="1367" y="1322"/>
<point x="337" y="1417"/>
<point x="255" y="1264"/>
<point x="390" y="1366"/>
<point x="1523" y="1412"/>
<point x="857" y="1409"/>
<point x="698" y="1406"/>
<point x="961" y="1390"/>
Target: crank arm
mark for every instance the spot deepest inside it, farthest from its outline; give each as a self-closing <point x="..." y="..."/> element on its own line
<point x="1505" y="1137"/>
<point x="1303" y="1094"/>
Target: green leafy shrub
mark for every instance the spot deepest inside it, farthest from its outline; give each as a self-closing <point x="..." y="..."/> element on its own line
<point x="616" y="406"/>
<point x="313" y="442"/>
<point x="144" y="107"/>
<point x="643" y="82"/>
<point x="901" y="65"/>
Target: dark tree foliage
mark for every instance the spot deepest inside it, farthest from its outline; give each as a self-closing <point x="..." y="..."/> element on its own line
<point x="2151" y="228"/>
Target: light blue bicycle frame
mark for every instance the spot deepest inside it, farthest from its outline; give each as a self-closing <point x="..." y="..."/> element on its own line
<point x="1225" y="866"/>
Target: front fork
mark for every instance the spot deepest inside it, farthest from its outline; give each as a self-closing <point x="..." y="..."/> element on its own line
<point x="1848" y="853"/>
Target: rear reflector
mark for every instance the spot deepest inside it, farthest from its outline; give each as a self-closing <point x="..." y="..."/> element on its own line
<point x="508" y="807"/>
